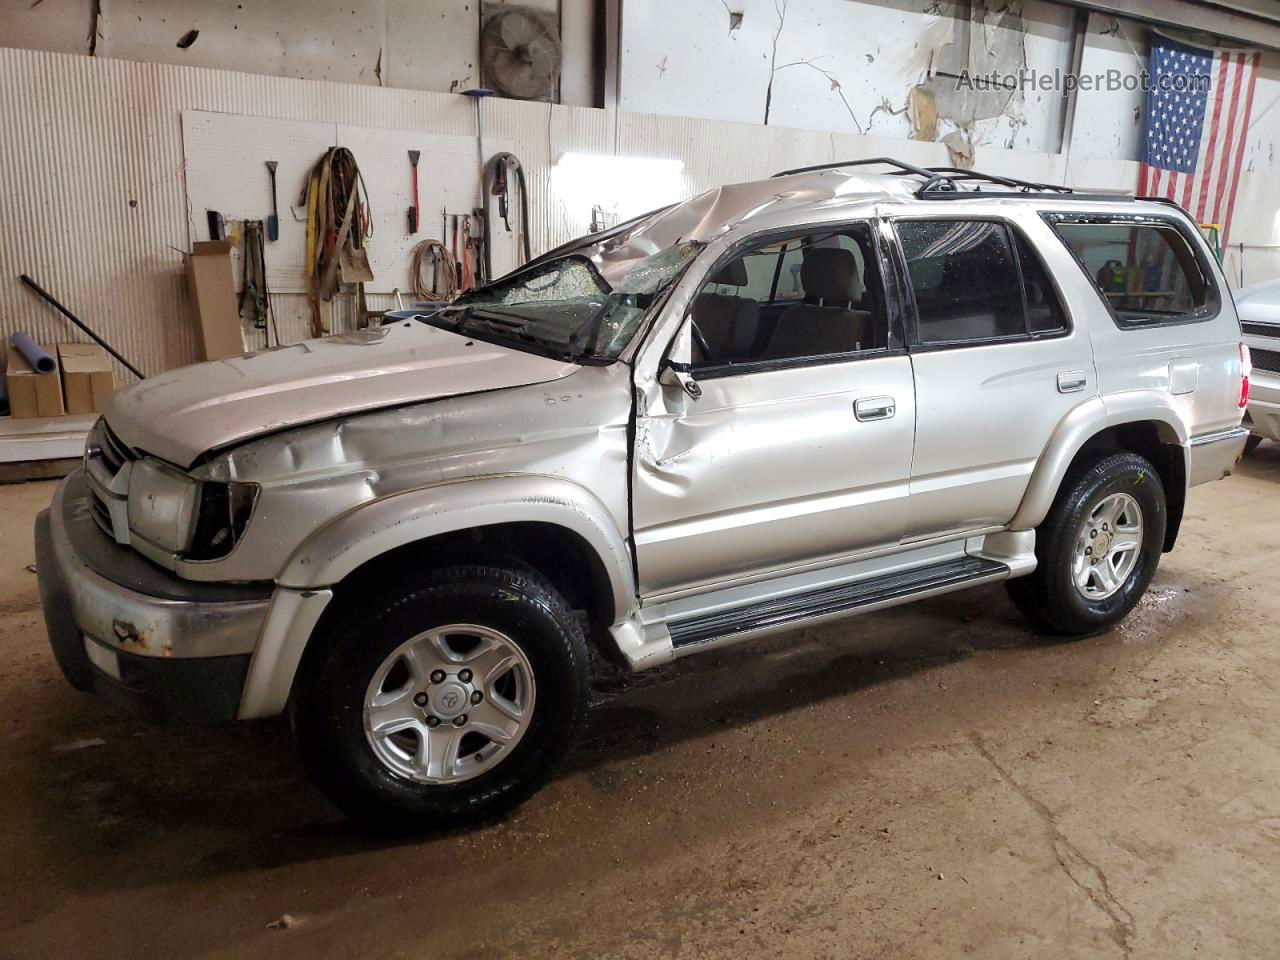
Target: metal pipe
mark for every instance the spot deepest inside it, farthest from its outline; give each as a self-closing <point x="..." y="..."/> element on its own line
<point x="48" y="297"/>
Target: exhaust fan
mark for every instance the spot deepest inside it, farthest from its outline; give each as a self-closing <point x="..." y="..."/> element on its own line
<point x="520" y="51"/>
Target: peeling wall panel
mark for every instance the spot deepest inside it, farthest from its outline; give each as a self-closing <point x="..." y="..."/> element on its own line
<point x="1109" y="122"/>
<point x="838" y="65"/>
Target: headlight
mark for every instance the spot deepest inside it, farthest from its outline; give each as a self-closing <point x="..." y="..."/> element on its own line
<point x="193" y="519"/>
<point x="162" y="505"/>
<point x="223" y="514"/>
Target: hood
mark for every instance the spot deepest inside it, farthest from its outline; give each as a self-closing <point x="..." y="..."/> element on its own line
<point x="1259" y="303"/>
<point x="183" y="413"/>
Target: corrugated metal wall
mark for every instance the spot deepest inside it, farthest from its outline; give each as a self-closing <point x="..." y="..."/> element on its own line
<point x="93" y="173"/>
<point x="95" y="208"/>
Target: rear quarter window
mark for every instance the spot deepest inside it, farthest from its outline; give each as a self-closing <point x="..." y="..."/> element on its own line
<point x="1146" y="270"/>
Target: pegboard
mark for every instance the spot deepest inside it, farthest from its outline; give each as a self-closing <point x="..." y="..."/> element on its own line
<point x="226" y="171"/>
<point x="448" y="180"/>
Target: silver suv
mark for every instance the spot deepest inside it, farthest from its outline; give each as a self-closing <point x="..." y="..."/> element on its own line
<point x="774" y="404"/>
<point x="1259" y="309"/>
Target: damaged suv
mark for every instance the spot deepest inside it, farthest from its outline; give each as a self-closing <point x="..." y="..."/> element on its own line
<point x="774" y="404"/>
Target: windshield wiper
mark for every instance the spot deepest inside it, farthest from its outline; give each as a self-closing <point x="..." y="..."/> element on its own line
<point x="587" y="328"/>
<point x="505" y="326"/>
<point x="509" y="320"/>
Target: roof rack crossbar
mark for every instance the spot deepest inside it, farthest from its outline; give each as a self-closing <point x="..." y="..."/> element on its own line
<point x="887" y="161"/>
<point x="942" y="182"/>
<point x="960" y="174"/>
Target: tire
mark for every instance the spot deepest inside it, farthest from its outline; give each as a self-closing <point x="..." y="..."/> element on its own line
<point x="378" y="779"/>
<point x="1252" y="443"/>
<point x="1050" y="597"/>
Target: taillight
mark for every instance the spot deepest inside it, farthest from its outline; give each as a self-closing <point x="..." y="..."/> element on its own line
<point x="1246" y="367"/>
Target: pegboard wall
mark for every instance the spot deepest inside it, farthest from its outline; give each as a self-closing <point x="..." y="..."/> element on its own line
<point x="226" y="171"/>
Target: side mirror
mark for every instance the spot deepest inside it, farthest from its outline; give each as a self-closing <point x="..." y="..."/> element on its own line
<point x="672" y="374"/>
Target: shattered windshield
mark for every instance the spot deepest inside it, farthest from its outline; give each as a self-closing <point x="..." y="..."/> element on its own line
<point x="587" y="303"/>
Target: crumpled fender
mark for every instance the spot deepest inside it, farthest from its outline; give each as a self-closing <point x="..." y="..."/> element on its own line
<point x="370" y="530"/>
<point x="1080" y="425"/>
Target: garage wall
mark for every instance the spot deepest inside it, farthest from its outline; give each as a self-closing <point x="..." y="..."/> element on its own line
<point x="94" y="173"/>
<point x="413" y="44"/>
<point x="845" y="66"/>
<point x="94" y="164"/>
<point x="94" y="170"/>
<point x="885" y="68"/>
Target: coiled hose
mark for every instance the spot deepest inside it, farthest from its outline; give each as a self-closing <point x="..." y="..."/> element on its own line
<point x="444" y="275"/>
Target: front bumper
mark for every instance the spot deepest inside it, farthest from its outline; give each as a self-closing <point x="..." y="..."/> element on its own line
<point x="175" y="650"/>
<point x="1264" y="404"/>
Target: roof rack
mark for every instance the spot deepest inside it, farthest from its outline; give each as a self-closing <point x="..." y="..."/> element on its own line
<point x="943" y="183"/>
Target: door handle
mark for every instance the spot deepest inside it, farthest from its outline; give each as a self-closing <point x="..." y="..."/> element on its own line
<point x="874" y="408"/>
<point x="1072" y="381"/>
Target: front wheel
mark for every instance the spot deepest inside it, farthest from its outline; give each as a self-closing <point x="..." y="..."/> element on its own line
<point x="1098" y="548"/>
<point x="444" y="700"/>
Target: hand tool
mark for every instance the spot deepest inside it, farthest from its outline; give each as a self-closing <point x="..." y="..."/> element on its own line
<point x="479" y="240"/>
<point x="413" y="211"/>
<point x="468" y="250"/>
<point x="457" y="261"/>
<point x="273" y="221"/>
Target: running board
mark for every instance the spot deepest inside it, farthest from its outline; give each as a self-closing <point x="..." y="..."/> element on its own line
<point x="831" y="602"/>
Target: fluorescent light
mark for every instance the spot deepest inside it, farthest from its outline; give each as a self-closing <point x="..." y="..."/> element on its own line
<point x="623" y="186"/>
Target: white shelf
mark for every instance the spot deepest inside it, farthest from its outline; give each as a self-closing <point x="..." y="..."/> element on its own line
<point x="43" y="438"/>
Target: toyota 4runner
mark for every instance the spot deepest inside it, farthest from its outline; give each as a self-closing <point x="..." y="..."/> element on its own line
<point x="774" y="404"/>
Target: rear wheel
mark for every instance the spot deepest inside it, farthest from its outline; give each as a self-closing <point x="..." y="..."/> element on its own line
<point x="1252" y="443"/>
<point x="443" y="701"/>
<point x="1098" y="548"/>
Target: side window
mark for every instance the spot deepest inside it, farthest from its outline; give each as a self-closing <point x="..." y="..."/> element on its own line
<point x="976" y="280"/>
<point x="1044" y="310"/>
<point x="812" y="295"/>
<point x="1146" y="272"/>
<point x="964" y="279"/>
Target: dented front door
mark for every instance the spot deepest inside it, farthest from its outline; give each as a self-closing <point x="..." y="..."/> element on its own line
<point x="770" y="469"/>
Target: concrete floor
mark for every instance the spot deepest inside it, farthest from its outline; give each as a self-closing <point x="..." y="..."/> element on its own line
<point x="930" y="782"/>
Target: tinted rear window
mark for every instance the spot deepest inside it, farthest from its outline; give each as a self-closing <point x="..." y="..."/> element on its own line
<point x="1146" y="272"/>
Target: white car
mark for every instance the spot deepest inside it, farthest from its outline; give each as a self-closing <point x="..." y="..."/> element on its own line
<point x="1259" y="309"/>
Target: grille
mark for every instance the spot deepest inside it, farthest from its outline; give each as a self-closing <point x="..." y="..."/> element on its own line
<point x="99" y="511"/>
<point x="114" y="453"/>
<point x="104" y="456"/>
<point x="1260" y="329"/>
<point x="1267" y="360"/>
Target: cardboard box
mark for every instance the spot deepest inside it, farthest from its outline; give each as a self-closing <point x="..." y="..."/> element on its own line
<point x="32" y="394"/>
<point x="87" y="379"/>
<point x="213" y="291"/>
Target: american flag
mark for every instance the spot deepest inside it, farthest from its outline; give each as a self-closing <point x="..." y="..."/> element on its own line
<point x="1198" y="108"/>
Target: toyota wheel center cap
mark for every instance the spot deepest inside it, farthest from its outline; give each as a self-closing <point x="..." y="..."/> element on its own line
<point x="449" y="699"/>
